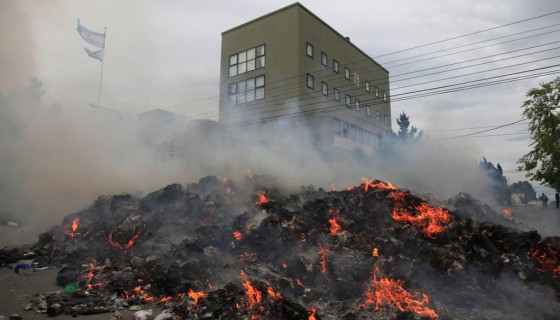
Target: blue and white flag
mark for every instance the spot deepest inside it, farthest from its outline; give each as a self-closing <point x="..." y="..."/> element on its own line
<point x="95" y="54"/>
<point x="91" y="37"/>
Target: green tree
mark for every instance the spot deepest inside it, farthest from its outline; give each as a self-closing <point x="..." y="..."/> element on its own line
<point x="542" y="163"/>
<point x="404" y="133"/>
<point x="525" y="189"/>
<point x="497" y="180"/>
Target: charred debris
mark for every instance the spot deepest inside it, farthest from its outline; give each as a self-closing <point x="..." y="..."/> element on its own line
<point x="220" y="250"/>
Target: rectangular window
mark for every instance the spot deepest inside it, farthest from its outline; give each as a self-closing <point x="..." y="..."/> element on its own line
<point x="356" y="79"/>
<point x="325" y="88"/>
<point x="376" y="92"/>
<point x="378" y="115"/>
<point x="346" y="73"/>
<point x="357" y="104"/>
<point x="247" y="60"/>
<point x="348" y="101"/>
<point x="335" y="66"/>
<point x="336" y="94"/>
<point x="385" y="96"/>
<point x="310" y="81"/>
<point x="309" y="50"/>
<point x="324" y="59"/>
<point x="246" y="90"/>
<point x="360" y="135"/>
<point x="337" y="127"/>
<point x="353" y="132"/>
<point x="345" y="129"/>
<point x="367" y="86"/>
<point x="386" y="120"/>
<point x="368" y="111"/>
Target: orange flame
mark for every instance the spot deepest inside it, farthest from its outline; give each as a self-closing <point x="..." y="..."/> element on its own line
<point x="506" y="212"/>
<point x="323" y="258"/>
<point x="128" y="244"/>
<point x="298" y="282"/>
<point x="375" y="252"/>
<point x="379" y="184"/>
<point x="262" y="199"/>
<point x="72" y="231"/>
<point x="141" y="293"/>
<point x="312" y="314"/>
<point x="164" y="299"/>
<point x="335" y="227"/>
<point x="237" y="235"/>
<point x="430" y="220"/>
<point x="197" y="295"/>
<point x="253" y="294"/>
<point x="386" y="292"/>
<point x="273" y="294"/>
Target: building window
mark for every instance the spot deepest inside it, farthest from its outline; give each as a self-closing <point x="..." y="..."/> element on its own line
<point x="345" y="129"/>
<point x="324" y="59"/>
<point x="337" y="127"/>
<point x="368" y="111"/>
<point x="386" y="120"/>
<point x="310" y="81"/>
<point x="378" y="115"/>
<point x="346" y="73"/>
<point x="385" y="96"/>
<point x="325" y="88"/>
<point x="367" y="86"/>
<point x="376" y="92"/>
<point x="356" y="79"/>
<point x="246" y="90"/>
<point x="348" y="101"/>
<point x="357" y="104"/>
<point x="336" y="94"/>
<point x="353" y="132"/>
<point x="247" y="60"/>
<point x="309" y="50"/>
<point x="335" y="66"/>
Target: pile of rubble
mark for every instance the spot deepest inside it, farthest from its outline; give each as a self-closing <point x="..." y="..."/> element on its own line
<point x="217" y="250"/>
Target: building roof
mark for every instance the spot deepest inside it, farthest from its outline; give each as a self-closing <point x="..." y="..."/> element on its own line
<point x="297" y="4"/>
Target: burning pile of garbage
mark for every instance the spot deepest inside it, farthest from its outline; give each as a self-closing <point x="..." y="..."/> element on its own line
<point x="218" y="250"/>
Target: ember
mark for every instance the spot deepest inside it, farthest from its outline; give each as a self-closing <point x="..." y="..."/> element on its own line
<point x="547" y="256"/>
<point x="262" y="199"/>
<point x="323" y="258"/>
<point x="198" y="237"/>
<point x="431" y="221"/>
<point x="72" y="231"/>
<point x="127" y="245"/>
<point x="312" y="314"/>
<point x="506" y="212"/>
<point x="335" y="227"/>
<point x="237" y="235"/>
<point x="197" y="295"/>
<point x="388" y="293"/>
<point x="253" y="294"/>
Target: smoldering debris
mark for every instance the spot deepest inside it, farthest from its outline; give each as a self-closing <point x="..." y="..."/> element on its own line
<point x="221" y="250"/>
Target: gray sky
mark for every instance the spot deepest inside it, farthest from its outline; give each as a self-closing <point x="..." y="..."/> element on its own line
<point x="166" y="54"/>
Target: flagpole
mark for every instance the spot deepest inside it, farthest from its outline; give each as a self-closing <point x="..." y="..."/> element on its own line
<point x="101" y="77"/>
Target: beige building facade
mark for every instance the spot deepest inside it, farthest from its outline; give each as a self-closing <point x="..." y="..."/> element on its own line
<point x="290" y="66"/>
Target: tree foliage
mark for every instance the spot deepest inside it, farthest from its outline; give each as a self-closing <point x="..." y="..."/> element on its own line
<point x="525" y="189"/>
<point x="404" y="134"/>
<point x="497" y="179"/>
<point x="542" y="163"/>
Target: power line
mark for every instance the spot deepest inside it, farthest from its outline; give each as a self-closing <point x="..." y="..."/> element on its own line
<point x="468" y="34"/>
<point x="487" y="130"/>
